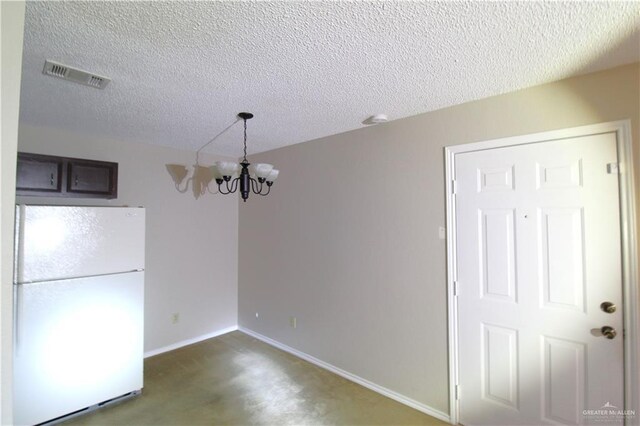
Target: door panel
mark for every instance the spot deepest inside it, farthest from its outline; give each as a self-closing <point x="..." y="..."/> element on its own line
<point x="564" y="381"/>
<point x="500" y="358"/>
<point x="497" y="251"/>
<point x="538" y="251"/>
<point x="562" y="258"/>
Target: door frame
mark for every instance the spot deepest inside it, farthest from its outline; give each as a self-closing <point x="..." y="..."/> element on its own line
<point x="628" y="230"/>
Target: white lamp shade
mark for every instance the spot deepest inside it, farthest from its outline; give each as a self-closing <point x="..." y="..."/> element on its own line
<point x="262" y="170"/>
<point x="227" y="168"/>
<point x="273" y="175"/>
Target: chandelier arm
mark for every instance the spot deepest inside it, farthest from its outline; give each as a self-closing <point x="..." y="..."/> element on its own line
<point x="234" y="185"/>
<point x="210" y="191"/>
<point x="266" y="193"/>
<point x="221" y="190"/>
<point x="254" y="185"/>
<point x="229" y="189"/>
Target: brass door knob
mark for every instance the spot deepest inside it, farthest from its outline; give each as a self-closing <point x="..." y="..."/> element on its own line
<point x="609" y="332"/>
<point x="608" y="307"/>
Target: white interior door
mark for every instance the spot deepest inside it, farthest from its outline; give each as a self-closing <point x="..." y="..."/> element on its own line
<point x="538" y="253"/>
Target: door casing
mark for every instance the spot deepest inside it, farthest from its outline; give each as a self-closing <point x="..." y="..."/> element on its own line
<point x="628" y="230"/>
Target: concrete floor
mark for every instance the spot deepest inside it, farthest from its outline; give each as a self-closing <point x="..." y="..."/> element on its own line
<point x="235" y="379"/>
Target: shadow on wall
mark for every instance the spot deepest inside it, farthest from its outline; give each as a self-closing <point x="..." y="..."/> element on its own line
<point x="199" y="180"/>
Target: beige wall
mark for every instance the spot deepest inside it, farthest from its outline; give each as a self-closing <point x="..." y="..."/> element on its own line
<point x="191" y="245"/>
<point x="348" y="240"/>
<point x="11" y="33"/>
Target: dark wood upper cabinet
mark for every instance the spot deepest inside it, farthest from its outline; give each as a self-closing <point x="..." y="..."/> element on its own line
<point x="92" y="177"/>
<point x="46" y="175"/>
<point x="39" y="173"/>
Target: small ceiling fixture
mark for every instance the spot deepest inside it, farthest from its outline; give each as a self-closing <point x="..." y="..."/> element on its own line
<point x="224" y="171"/>
<point x="376" y="119"/>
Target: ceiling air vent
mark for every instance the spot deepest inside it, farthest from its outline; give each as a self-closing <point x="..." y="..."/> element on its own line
<point x="65" y="72"/>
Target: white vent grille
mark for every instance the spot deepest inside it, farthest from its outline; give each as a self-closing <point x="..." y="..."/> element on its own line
<point x="96" y="81"/>
<point x="57" y="71"/>
<point x="76" y="75"/>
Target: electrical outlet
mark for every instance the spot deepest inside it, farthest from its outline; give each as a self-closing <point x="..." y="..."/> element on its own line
<point x="293" y="322"/>
<point x="175" y="318"/>
<point x="257" y="315"/>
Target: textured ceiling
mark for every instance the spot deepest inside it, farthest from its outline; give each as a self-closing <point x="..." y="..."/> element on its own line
<point x="182" y="70"/>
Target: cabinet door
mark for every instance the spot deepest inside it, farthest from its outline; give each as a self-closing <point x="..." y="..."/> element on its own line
<point x="38" y="173"/>
<point x="92" y="178"/>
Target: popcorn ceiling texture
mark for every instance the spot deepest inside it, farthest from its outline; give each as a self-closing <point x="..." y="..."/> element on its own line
<point x="182" y="70"/>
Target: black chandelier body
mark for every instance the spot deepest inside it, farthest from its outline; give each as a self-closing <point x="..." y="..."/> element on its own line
<point x="224" y="171"/>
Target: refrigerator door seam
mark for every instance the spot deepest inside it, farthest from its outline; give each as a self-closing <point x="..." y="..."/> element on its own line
<point x="77" y="278"/>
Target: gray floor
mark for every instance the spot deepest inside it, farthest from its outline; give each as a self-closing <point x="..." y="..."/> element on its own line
<point x="237" y="380"/>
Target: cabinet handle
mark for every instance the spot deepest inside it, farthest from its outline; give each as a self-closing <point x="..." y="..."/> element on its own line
<point x="51" y="179"/>
<point x="76" y="184"/>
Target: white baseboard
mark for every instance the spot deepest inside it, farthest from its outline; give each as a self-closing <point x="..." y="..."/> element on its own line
<point x="190" y="341"/>
<point x="349" y="376"/>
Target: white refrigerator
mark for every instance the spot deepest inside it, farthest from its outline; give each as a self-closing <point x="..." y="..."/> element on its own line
<point x="78" y="314"/>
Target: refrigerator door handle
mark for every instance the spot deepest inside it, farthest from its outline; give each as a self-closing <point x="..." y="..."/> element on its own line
<point x="17" y="253"/>
<point x="17" y="243"/>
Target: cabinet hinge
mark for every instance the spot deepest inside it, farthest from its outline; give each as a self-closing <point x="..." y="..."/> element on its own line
<point x="454" y="186"/>
<point x="457" y="392"/>
<point x="613" y="168"/>
<point x="456" y="288"/>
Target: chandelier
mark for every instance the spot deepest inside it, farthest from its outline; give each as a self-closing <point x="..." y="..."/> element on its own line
<point x="257" y="179"/>
<point x="223" y="171"/>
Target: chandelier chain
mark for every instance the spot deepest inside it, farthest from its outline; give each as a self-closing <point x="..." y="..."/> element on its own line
<point x="245" y="140"/>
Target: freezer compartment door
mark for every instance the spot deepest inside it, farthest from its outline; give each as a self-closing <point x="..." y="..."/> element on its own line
<point x="56" y="242"/>
<point x="78" y="342"/>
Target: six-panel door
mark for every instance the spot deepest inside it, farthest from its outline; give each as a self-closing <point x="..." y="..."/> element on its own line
<point x="538" y="252"/>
